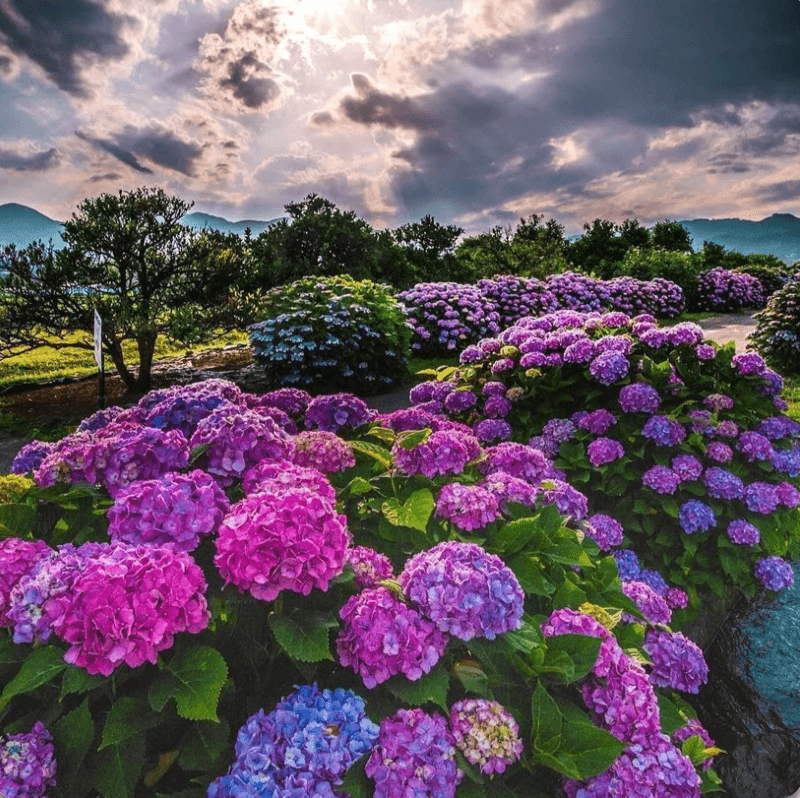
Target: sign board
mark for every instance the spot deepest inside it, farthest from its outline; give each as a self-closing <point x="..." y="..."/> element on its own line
<point x="98" y="340"/>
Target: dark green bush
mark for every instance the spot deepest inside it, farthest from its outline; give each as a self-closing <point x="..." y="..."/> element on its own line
<point x="777" y="334"/>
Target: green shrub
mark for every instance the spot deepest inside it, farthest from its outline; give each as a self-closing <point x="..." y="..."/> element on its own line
<point x="777" y="334"/>
<point x="678" y="267"/>
<point x="771" y="279"/>
<point x="332" y="333"/>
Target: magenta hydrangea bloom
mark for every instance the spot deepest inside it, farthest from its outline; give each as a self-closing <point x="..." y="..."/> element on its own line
<point x="127" y="604"/>
<point x="687" y="467"/>
<point x="17" y="558"/>
<point x="639" y="397"/>
<point x="268" y="477"/>
<point x="468" y="507"/>
<point x="173" y="508"/>
<point x="676" y="661"/>
<point x="490" y="430"/>
<point x="788" y="495"/>
<point x="486" y="734"/>
<point x="30" y="456"/>
<point x="495" y="407"/>
<point x="382" y="636"/>
<point x="604" y="530"/>
<point x="27" y="763"/>
<point x="761" y="497"/>
<point x="238" y="439"/>
<point x="749" y="364"/>
<point x="446" y="451"/>
<point x="603" y="451"/>
<point x="370" y="566"/>
<point x="293" y="401"/>
<point x="719" y="452"/>
<point x="652" y="606"/>
<point x="568" y="621"/>
<point x="510" y="489"/>
<point x="568" y="500"/>
<point x="415" y="755"/>
<point x="743" y="532"/>
<point x="754" y="446"/>
<point x="661" y="479"/>
<point x="325" y="451"/>
<point x="694" y="728"/>
<point x="774" y="573"/>
<point x="464" y="590"/>
<point x="291" y="540"/>
<point x="458" y="401"/>
<point x="676" y="598"/>
<point x="407" y="419"/>
<point x="517" y="460"/>
<point x="598" y="422"/>
<point x="332" y="412"/>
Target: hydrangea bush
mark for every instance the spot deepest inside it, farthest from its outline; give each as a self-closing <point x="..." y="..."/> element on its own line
<point x="332" y="333"/>
<point x="722" y="291"/>
<point x="777" y="334"/>
<point x="335" y="621"/>
<point x="682" y="442"/>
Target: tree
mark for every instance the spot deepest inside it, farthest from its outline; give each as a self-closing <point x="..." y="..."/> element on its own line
<point x="429" y="248"/>
<point x="671" y="236"/>
<point x="598" y="250"/>
<point x="129" y="258"/>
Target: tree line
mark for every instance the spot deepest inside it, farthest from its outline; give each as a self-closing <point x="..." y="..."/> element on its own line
<point x="129" y="257"/>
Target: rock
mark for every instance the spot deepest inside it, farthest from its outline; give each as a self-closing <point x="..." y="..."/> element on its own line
<point x="751" y="705"/>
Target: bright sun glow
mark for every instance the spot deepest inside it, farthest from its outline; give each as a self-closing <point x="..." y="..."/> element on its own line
<point x="323" y="16"/>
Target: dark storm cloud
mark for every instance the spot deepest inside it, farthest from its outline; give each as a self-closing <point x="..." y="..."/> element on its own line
<point x="38" y="162"/>
<point x="727" y="163"/>
<point x="243" y="83"/>
<point x="783" y="191"/>
<point x="103" y="178"/>
<point x="159" y="146"/>
<point x="373" y="107"/>
<point x="61" y="35"/>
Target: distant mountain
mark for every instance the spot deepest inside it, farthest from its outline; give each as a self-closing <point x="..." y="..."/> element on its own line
<point x="22" y="225"/>
<point x="777" y="235"/>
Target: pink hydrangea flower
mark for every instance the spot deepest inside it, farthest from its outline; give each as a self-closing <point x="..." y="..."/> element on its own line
<point x="486" y="733"/>
<point x="268" y="476"/>
<point x="322" y="450"/>
<point x="370" y="566"/>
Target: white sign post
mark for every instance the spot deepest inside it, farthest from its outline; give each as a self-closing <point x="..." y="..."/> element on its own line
<point x="98" y="356"/>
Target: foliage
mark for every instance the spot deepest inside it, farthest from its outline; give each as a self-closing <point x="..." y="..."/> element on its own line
<point x="725" y="291"/>
<point x="332" y="333"/>
<point x="777" y="333"/>
<point x="429" y="247"/>
<point x="770" y="277"/>
<point x="169" y="726"/>
<point x="129" y="258"/>
<point x="681" y="268"/>
<point x="680" y="398"/>
<point x="671" y="236"/>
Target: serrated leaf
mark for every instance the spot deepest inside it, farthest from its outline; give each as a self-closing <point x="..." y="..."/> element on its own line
<point x="529" y="571"/>
<point x="372" y="450"/>
<point x="431" y="687"/>
<point x="197" y="452"/>
<point x="77" y="680"/>
<point x="414" y="513"/>
<point x="117" y="768"/>
<point x="194" y="679"/>
<point x="514" y="536"/>
<point x="671" y="716"/>
<point x="546" y="721"/>
<point x="303" y="636"/>
<point x="408" y="440"/>
<point x="355" y="782"/>
<point x="127" y="717"/>
<point x="571" y="656"/>
<point x="203" y="746"/>
<point x="10" y="652"/>
<point x="358" y="486"/>
<point x="41" y="666"/>
<point x="72" y="735"/>
<point x="593" y="748"/>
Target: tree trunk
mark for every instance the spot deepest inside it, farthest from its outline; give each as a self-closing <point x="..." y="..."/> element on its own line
<point x="146" y="344"/>
<point x="125" y="374"/>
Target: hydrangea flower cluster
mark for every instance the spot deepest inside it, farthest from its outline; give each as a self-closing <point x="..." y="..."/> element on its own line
<point x="30" y="456"/>
<point x="468" y="507"/>
<point x="269" y="477"/>
<point x="17" y="558"/>
<point x="486" y="733"/>
<point x="382" y="636"/>
<point x="173" y="508"/>
<point x="774" y="573"/>
<point x="127" y="604"/>
<point x="325" y="451"/>
<point x="415" y="750"/>
<point x="676" y="661"/>
<point x="371" y="567"/>
<point x="722" y="291"/>
<point x="293" y="401"/>
<point x="290" y="540"/>
<point x="333" y="412"/>
<point x="446" y="451"/>
<point x="464" y="590"/>
<point x="27" y="763"/>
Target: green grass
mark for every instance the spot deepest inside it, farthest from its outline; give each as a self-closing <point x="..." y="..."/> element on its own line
<point x="46" y="363"/>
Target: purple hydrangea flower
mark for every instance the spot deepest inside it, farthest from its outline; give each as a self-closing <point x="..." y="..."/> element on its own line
<point x="269" y="477"/>
<point x="382" y="636"/>
<point x="486" y="734"/>
<point x="293" y="401"/>
<point x="460" y="400"/>
<point x="722" y="484"/>
<point x="17" y="558"/>
<point x="491" y="430"/>
<point x="663" y="431"/>
<point x="661" y="479"/>
<point x="761" y="497"/>
<point x="496" y="407"/>
<point x="743" y="532"/>
<point x="639" y="397"/>
<point x="603" y="451"/>
<point x="686" y="333"/>
<point x="604" y="530"/>
<point x="694" y="728"/>
<point x="446" y="451"/>
<point x="718" y="401"/>
<point x="30" y="456"/>
<point x="777" y="427"/>
<point x="332" y="412"/>
<point x="727" y="429"/>
<point x="687" y="467"/>
<point x="511" y="489"/>
<point x="654" y="580"/>
<point x="788" y="494"/>
<point x="676" y="661"/>
<point x="652" y="606"/>
<point x="609" y="367"/>
<point x="754" y="446"/>
<point x="322" y="450"/>
<point x="705" y="351"/>
<point x="517" y="460"/>
<point x="598" y="422"/>
<point x="27" y="763"/>
<point x="749" y="364"/>
<point x="370" y="566"/>
<point x="676" y="598"/>
<point x="719" y="452"/>
<point x="627" y="563"/>
<point x="414" y="751"/>
<point x="774" y="573"/>
<point x="569" y="501"/>
<point x="464" y="590"/>
<point x="468" y="507"/>
<point x="694" y="516"/>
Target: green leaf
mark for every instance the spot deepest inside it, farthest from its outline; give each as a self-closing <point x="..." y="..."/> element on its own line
<point x="17" y="520"/>
<point x="10" y="652"/>
<point x="72" y="735"/>
<point x="472" y="677"/>
<point x="514" y="536"/>
<point x="374" y="451"/>
<point x="41" y="666"/>
<point x="593" y="748"/>
<point x="127" y="717"/>
<point x="415" y="512"/>
<point x="117" y="768"/>
<point x="529" y="571"/>
<point x="431" y="687"/>
<point x="547" y="721"/>
<point x="304" y="636"/>
<point x="204" y="745"/>
<point x="355" y="782"/>
<point x="572" y="656"/>
<point x="197" y="452"/>
<point x="358" y="486"/>
<point x="408" y="440"/>
<point x="194" y="678"/>
<point x="77" y="680"/>
<point x="568" y="552"/>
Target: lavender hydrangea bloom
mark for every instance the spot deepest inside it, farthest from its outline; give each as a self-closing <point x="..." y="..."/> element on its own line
<point x="598" y="422"/>
<point x="627" y="563"/>
<point x="661" y="479"/>
<point x="581" y="351"/>
<point x="370" y="566"/>
<point x="743" y="532"/>
<point x="464" y="590"/>
<point x="719" y="452"/>
<point x="569" y="501"/>
<point x="30" y="456"/>
<point x="518" y="460"/>
<point x="292" y="540"/>
<point x="651" y="605"/>
<point x="654" y="580"/>
<point x="777" y="427"/>
<point x="486" y="734"/>
<point x="99" y="419"/>
<point x="293" y="401"/>
<point x="774" y="573"/>
<point x="663" y="431"/>
<point x="458" y="401"/>
<point x="322" y="450"/>
<point x="788" y="495"/>
<point x="603" y="451"/>
<point x="414" y="748"/>
<point x="493" y="388"/>
<point x="686" y="333"/>
<point x="718" y="401"/>
<point x="558" y="430"/>
<point x="332" y="412"/>
<point x="639" y="397"/>
<point x="687" y="467"/>
<point x="173" y="508"/>
<point x="609" y="367"/>
<point x="705" y="351"/>
<point x="445" y="452"/>
<point x="468" y="507"/>
<point x="17" y="558"/>
<point x="754" y="446"/>
<point x="761" y="497"/>
<point x="491" y="430"/>
<point x="510" y="489"/>
<point x="382" y="636"/>
<point x="722" y="484"/>
<point x="27" y="763"/>
<point x="676" y="661"/>
<point x="496" y="407"/>
<point x="694" y="516"/>
<point x="604" y="530"/>
<point x="749" y="364"/>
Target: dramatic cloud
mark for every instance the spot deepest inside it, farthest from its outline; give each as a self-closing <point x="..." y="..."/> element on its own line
<point x="23" y="160"/>
<point x="785" y="191"/>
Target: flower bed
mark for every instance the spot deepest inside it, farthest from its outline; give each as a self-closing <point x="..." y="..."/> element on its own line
<point x="450" y="621"/>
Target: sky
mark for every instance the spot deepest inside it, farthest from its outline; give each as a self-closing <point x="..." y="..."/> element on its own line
<point x="477" y="112"/>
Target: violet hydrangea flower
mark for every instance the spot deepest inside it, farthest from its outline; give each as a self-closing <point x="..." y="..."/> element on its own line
<point x="761" y="497"/>
<point x="603" y="451"/>
<point x="661" y="479"/>
<point x="292" y="540"/>
<point x="743" y="532"/>
<point x="687" y="467"/>
<point x="486" y="734"/>
<point x="651" y="605"/>
<point x="722" y="484"/>
<point x="598" y="422"/>
<point x="569" y="501"/>
<point x="676" y="661"/>
<point x="322" y="450"/>
<point x="332" y="412"/>
<point x="27" y="763"/>
<point x="268" y="477"/>
<point x="17" y="558"/>
<point x="663" y="431"/>
<point x="30" y="456"/>
<point x="719" y="452"/>
<point x="446" y="451"/>
<point x="370" y="566"/>
<point x="639" y="397"/>
<point x="382" y="636"/>
<point x="694" y="516"/>
<point x="609" y="367"/>
<point x="774" y="573"/>
<point x="468" y="507"/>
<point x="490" y="430"/>
<point x="604" y="530"/>
<point x="517" y="460"/>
